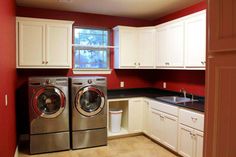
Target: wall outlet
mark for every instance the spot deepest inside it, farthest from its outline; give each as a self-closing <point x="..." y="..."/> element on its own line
<point x="6" y="100"/>
<point x="122" y="84"/>
<point x="164" y="85"/>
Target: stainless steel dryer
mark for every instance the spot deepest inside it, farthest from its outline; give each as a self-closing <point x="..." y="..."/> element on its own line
<point x="89" y="111"/>
<point x="49" y="114"/>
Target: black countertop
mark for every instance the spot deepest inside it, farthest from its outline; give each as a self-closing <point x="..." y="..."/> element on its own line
<point x="152" y="93"/>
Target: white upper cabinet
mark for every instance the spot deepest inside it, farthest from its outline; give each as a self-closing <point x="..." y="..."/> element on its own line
<point x="134" y="47"/>
<point x="58" y="50"/>
<point x="43" y="43"/>
<point x="31" y="45"/>
<point x="162" y="46"/>
<point x="146" y="47"/>
<point x="195" y="40"/>
<point x="170" y="44"/>
<point x="176" y="44"/>
<point x="126" y="51"/>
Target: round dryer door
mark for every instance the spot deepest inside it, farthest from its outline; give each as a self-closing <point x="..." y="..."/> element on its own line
<point x="49" y="102"/>
<point x="89" y="101"/>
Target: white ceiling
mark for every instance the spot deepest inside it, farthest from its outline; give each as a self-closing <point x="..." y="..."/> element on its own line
<point x="142" y="9"/>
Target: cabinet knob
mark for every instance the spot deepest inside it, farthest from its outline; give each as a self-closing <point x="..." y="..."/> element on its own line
<point x="194" y="119"/>
<point x="43" y="62"/>
<point x="203" y="62"/>
<point x="135" y="63"/>
<point x="46" y="62"/>
<point x="139" y="64"/>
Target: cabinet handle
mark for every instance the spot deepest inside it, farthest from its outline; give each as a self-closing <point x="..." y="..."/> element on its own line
<point x="194" y="119"/>
<point x="135" y="63"/>
<point x="43" y="62"/>
<point x="167" y="63"/>
<point x="46" y="62"/>
<point x="162" y="117"/>
<point x="203" y="62"/>
<point x="139" y="64"/>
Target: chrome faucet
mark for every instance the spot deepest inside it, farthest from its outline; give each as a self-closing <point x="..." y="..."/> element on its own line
<point x="184" y="92"/>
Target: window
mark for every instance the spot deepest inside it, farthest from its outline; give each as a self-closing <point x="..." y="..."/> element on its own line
<point x="91" y="49"/>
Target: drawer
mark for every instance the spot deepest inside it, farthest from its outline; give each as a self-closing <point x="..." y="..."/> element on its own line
<point x="173" y="110"/>
<point x="192" y="119"/>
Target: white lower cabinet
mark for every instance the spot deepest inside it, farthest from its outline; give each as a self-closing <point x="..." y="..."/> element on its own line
<point x="146" y="125"/>
<point x="191" y="128"/>
<point x="135" y="115"/>
<point x="156" y="125"/>
<point x="164" y="127"/>
<point x="179" y="129"/>
<point x="190" y="142"/>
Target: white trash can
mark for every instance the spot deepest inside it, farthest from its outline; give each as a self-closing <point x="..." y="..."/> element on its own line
<point x="115" y="120"/>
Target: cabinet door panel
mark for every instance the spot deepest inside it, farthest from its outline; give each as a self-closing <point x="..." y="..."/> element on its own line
<point x="128" y="47"/>
<point x="135" y="115"/>
<point x="161" y="43"/>
<point x="170" y="132"/>
<point x="222" y="32"/>
<point x="156" y="125"/>
<point x="185" y="143"/>
<point x="198" y="144"/>
<point x="146" y="44"/>
<point x="195" y="40"/>
<point x="146" y="124"/>
<point x="58" y="52"/>
<point x="31" y="43"/>
<point x="175" y="38"/>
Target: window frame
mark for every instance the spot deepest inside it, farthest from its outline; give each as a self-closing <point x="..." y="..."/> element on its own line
<point x="106" y="48"/>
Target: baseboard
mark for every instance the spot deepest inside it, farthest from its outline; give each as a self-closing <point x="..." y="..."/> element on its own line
<point x="16" y="152"/>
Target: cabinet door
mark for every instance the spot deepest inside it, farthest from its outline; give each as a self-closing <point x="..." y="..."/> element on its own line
<point x="146" y="125"/>
<point x="135" y="115"/>
<point x="31" y="42"/>
<point x="198" y="143"/>
<point x="58" y="45"/>
<point x="170" y="131"/>
<point x="146" y="47"/>
<point x="128" y="47"/>
<point x="221" y="24"/>
<point x="161" y="46"/>
<point x="156" y="125"/>
<point x="185" y="141"/>
<point x="175" y="37"/>
<point x="195" y="40"/>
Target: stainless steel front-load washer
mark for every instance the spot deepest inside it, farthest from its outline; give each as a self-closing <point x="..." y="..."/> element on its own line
<point x="89" y="111"/>
<point x="49" y="114"/>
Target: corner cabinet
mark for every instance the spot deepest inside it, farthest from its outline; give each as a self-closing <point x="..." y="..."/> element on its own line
<point x="43" y="43"/>
<point x="134" y="47"/>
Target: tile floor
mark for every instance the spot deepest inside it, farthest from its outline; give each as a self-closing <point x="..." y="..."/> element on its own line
<point x="137" y="146"/>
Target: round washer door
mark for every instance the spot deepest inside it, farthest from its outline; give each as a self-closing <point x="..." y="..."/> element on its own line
<point x="49" y="102"/>
<point x="89" y="101"/>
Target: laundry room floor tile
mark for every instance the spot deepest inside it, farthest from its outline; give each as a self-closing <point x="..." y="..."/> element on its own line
<point x="137" y="146"/>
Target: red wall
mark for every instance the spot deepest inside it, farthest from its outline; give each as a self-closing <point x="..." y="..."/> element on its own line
<point x="8" y="78"/>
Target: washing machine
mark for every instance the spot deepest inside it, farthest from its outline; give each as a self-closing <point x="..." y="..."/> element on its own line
<point x="89" y="111"/>
<point x="48" y="114"/>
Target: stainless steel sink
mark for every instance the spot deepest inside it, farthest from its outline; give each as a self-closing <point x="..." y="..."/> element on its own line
<point x="175" y="99"/>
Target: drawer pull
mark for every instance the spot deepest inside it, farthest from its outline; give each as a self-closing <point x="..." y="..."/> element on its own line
<point x="194" y="119"/>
